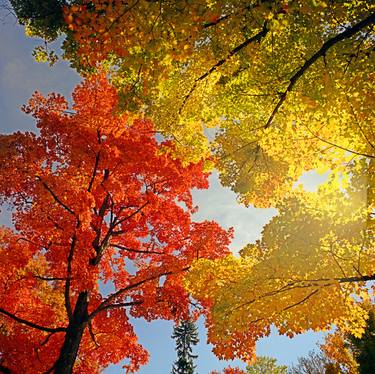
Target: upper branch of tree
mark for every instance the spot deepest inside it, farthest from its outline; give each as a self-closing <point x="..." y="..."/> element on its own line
<point x="135" y="250"/>
<point x="349" y="32"/>
<point x="49" y="279"/>
<point x="255" y="38"/>
<point x="338" y="146"/>
<point x="236" y="13"/>
<point x="118" y="222"/>
<point x="121" y="291"/>
<point x="31" y="324"/>
<point x="55" y="197"/>
<point x="122" y="305"/>
<point x="97" y="158"/>
<point x="307" y="283"/>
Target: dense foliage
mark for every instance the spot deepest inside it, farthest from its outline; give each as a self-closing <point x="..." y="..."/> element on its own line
<point x="286" y="87"/>
<point x="99" y="206"/>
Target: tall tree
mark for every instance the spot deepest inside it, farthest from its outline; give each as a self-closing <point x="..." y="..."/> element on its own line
<point x="308" y="271"/>
<point x="186" y="335"/>
<point x="96" y="200"/>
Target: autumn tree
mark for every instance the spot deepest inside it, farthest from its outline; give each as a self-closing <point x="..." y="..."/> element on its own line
<point x="314" y="363"/>
<point x="265" y="365"/>
<point x="273" y="75"/>
<point x="97" y="201"/>
<point x="353" y="354"/>
<point x="308" y="271"/>
<point x="186" y="335"/>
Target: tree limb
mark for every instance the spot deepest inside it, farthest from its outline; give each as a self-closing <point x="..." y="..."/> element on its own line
<point x="349" y="32"/>
<point x="135" y="250"/>
<point x="55" y="197"/>
<point x="68" y="305"/>
<point x="31" y="324"/>
<point x="97" y="158"/>
<point x="255" y="38"/>
<point x="118" y="293"/>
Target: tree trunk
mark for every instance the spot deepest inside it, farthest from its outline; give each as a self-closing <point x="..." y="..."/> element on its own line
<point x="73" y="336"/>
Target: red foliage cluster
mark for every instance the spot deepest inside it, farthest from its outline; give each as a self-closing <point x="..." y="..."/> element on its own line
<point x="97" y="201"/>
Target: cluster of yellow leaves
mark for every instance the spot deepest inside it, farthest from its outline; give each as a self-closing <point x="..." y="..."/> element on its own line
<point x="310" y="261"/>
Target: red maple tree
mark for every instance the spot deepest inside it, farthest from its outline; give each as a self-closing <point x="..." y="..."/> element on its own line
<point x="95" y="199"/>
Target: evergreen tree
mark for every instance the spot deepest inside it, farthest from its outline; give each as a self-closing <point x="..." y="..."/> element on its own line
<point x="364" y="347"/>
<point x="186" y="335"/>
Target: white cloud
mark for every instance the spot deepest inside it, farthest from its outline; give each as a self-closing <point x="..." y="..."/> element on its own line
<point x="220" y="204"/>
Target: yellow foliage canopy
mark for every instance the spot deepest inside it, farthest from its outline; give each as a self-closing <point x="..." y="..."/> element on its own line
<point x="309" y="272"/>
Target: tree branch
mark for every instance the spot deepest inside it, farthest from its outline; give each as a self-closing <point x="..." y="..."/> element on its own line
<point x="301" y="301"/>
<point x="306" y="283"/>
<point x="49" y="279"/>
<point x="135" y="250"/>
<point x="132" y="214"/>
<point x="55" y="197"/>
<point x="118" y="293"/>
<point x="256" y="38"/>
<point x="31" y="324"/>
<point x="349" y="32"/>
<point x="120" y="305"/>
<point x="92" y="335"/>
<point x="97" y="158"/>
<point x="68" y="305"/>
<point x="339" y="146"/>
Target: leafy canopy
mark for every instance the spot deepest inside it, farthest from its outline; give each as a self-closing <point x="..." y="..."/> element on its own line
<point x="96" y="201"/>
<point x="307" y="272"/>
<point x="288" y="82"/>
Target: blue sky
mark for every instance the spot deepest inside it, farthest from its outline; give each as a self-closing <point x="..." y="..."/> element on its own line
<point x="20" y="76"/>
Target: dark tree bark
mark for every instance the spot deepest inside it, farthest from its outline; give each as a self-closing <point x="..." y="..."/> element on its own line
<point x="73" y="337"/>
